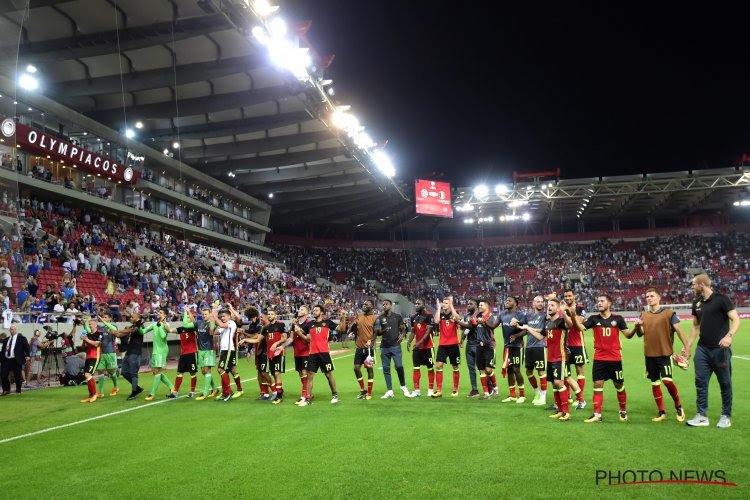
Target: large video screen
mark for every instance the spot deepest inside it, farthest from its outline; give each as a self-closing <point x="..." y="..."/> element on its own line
<point x="433" y="198"/>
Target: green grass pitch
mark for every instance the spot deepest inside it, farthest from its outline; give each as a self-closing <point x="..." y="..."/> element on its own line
<point x="384" y="449"/>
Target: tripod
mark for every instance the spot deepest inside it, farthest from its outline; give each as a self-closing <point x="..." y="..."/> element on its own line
<point x="50" y="350"/>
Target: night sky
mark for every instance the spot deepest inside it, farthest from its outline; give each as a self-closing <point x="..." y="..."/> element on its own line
<point x="474" y="92"/>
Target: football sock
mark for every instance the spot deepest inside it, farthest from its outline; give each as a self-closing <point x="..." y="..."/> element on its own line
<point x="521" y="391"/>
<point x="456" y="378"/>
<point x="439" y="380"/>
<point x="672" y="391"/>
<point x="579" y="395"/>
<point x="581" y="381"/>
<point x="431" y="378"/>
<point x="155" y="385"/>
<point x="564" y="395"/>
<point x="177" y="382"/>
<point x="483" y="380"/>
<point x="208" y="385"/>
<point x="361" y="381"/>
<point x="100" y="384"/>
<point x="92" y="387"/>
<point x="532" y="381"/>
<point x="113" y="378"/>
<point x="192" y="383"/>
<point x="369" y="386"/>
<point x="493" y="379"/>
<point x="512" y="391"/>
<point x="237" y="381"/>
<point x="304" y="385"/>
<point x="556" y="393"/>
<point x="656" y="389"/>
<point x="225" y="384"/>
<point x="622" y="397"/>
<point x="280" y="388"/>
<point x="543" y="382"/>
<point x="166" y="381"/>
<point x="417" y="375"/>
<point x="598" y="400"/>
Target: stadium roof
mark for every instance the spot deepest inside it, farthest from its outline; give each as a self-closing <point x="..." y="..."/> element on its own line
<point x="192" y="72"/>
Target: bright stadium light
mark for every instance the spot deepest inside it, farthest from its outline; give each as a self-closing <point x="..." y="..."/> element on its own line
<point x="31" y="69"/>
<point x="501" y="189"/>
<point x="139" y="125"/>
<point x="175" y="145"/>
<point x="364" y="141"/>
<point x="278" y="27"/>
<point x="384" y="163"/>
<point x="294" y="59"/>
<point x="260" y="34"/>
<point x="270" y="195"/>
<point x="264" y="7"/>
<point x="526" y="216"/>
<point x="166" y="151"/>
<point x="468" y="207"/>
<point x="481" y="190"/>
<point x="129" y="133"/>
<point x="28" y="82"/>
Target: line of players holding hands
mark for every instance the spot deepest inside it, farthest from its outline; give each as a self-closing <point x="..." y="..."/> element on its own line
<point x="554" y="347"/>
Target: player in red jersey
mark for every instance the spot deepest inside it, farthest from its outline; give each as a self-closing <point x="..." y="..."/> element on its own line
<point x="555" y="330"/>
<point x="421" y="334"/>
<point x="448" y="345"/>
<point x="301" y="349"/>
<point x="252" y="331"/>
<point x="275" y="333"/>
<point x="607" y="354"/>
<point x="576" y="346"/>
<point x="316" y="333"/>
<point x="92" y="343"/>
<point x="188" y="361"/>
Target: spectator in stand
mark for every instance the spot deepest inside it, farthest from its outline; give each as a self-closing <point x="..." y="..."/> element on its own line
<point x="4" y="300"/>
<point x="114" y="308"/>
<point x="7" y="281"/>
<point x="38" y="310"/>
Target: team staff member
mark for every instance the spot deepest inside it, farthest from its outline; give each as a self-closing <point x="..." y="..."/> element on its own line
<point x="131" y="363"/>
<point x="391" y="327"/>
<point x="712" y="313"/>
<point x="364" y="330"/>
<point x="469" y="336"/>
<point x="15" y="353"/>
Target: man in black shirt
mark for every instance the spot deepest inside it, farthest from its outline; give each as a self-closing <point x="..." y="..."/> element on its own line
<point x="469" y="335"/>
<point x="712" y="313"/>
<point x="131" y="363"/>
<point x="391" y="327"/>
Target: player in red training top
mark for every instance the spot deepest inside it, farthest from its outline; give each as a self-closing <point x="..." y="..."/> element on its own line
<point x="421" y="335"/>
<point x="607" y="354"/>
<point x="448" y="349"/>
<point x="316" y="333"/>
<point x="301" y="349"/>
<point x="188" y="361"/>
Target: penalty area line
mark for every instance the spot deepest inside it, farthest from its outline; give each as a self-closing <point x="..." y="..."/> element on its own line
<point x="98" y="417"/>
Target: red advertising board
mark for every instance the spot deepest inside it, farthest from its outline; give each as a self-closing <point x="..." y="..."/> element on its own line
<point x="433" y="198"/>
<point x="52" y="147"/>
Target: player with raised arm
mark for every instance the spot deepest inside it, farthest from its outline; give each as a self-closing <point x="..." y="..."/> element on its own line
<point x="92" y="342"/>
<point x="316" y="333"/>
<point x="227" y="329"/>
<point x="206" y="355"/>
<point x="301" y="349"/>
<point x="188" y="362"/>
<point x="159" y="353"/>
<point x="555" y="330"/>
<point x="657" y="326"/>
<point x="235" y="316"/>
<point x="576" y="346"/>
<point x="421" y="334"/>
<point x="448" y="344"/>
<point x="363" y="329"/>
<point x="510" y="321"/>
<point x="275" y="334"/>
<point x="486" y="324"/>
<point x="607" y="328"/>
<point x="469" y="337"/>
<point x="108" y="359"/>
<point x="131" y="363"/>
<point x="536" y="351"/>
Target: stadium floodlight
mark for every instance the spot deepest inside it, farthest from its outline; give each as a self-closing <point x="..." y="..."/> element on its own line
<point x="364" y="141"/>
<point x="501" y="189"/>
<point x="295" y="59"/>
<point x="278" y="28"/>
<point x="526" y="216"/>
<point x="264" y="7"/>
<point x="139" y="125"/>
<point x="129" y="133"/>
<point x="331" y="91"/>
<point x="489" y="219"/>
<point x="166" y="151"/>
<point x="325" y="83"/>
<point x="270" y="195"/>
<point x="28" y="82"/>
<point x="261" y="35"/>
<point x="481" y="190"/>
<point x="31" y="69"/>
<point x="384" y="163"/>
<point x="175" y="145"/>
<point x="468" y="207"/>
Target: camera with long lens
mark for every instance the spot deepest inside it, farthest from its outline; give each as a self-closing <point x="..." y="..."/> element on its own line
<point x="51" y="334"/>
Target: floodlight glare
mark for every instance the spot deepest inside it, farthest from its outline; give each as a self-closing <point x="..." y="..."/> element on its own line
<point x="277" y="27"/>
<point x="384" y="163"/>
<point x="28" y="82"/>
<point x="501" y="189"/>
<point x="526" y="216"/>
<point x="481" y="190"/>
<point x="264" y="7"/>
<point x="129" y="133"/>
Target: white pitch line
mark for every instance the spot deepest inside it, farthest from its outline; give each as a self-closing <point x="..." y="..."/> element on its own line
<point x="741" y="357"/>
<point x="57" y="427"/>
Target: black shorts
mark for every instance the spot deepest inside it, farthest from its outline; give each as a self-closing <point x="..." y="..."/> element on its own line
<point x="607" y="370"/>
<point x="557" y="370"/>
<point x="320" y="360"/>
<point x="535" y="358"/>
<point x="485" y="357"/>
<point x="227" y="360"/>
<point x="514" y="355"/>
<point x="300" y="363"/>
<point x="277" y="364"/>
<point x="449" y="353"/>
<point x="422" y="357"/>
<point x="90" y="366"/>
<point x="360" y="354"/>
<point x="658" y="367"/>
<point x="577" y="355"/>
<point x="261" y="362"/>
<point x="188" y="363"/>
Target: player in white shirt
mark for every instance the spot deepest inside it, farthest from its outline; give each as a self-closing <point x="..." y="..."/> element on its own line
<point x="227" y="329"/>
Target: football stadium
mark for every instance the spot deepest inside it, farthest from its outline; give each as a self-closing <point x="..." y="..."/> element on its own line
<point x="320" y="249"/>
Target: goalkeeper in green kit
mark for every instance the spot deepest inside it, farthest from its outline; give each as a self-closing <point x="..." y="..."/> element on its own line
<point x="206" y="354"/>
<point x="160" y="330"/>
